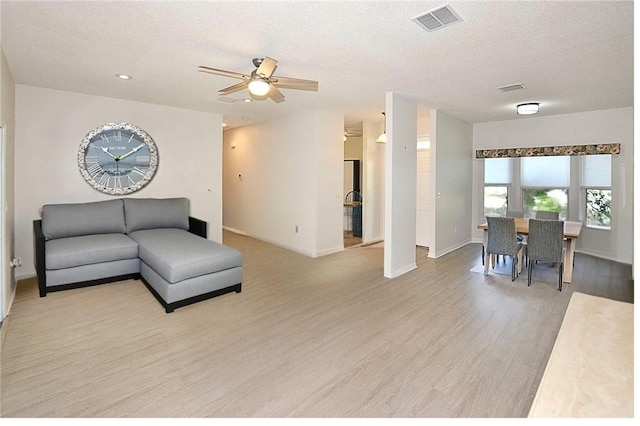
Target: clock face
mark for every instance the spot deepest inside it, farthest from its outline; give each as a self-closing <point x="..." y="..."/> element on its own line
<point x="118" y="158"/>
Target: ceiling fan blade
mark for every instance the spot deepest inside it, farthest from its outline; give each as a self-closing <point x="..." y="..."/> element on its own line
<point x="294" y="83"/>
<point x="275" y="94"/>
<point x="267" y="67"/>
<point x="234" y="88"/>
<point x="225" y="73"/>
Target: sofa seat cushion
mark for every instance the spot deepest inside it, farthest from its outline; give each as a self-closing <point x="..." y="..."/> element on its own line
<point x="177" y="255"/>
<point x="88" y="249"/>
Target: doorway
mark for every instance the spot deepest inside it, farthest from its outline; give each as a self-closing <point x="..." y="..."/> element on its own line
<point x="352" y="203"/>
<point x="423" y="194"/>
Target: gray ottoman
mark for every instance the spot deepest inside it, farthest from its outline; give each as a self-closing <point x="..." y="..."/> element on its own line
<point x="181" y="268"/>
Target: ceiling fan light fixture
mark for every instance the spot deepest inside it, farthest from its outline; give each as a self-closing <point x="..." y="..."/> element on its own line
<point x="259" y="87"/>
<point x="259" y="82"/>
<point x="528" y="108"/>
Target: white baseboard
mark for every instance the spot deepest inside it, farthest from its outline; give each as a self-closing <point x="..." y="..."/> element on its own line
<point x="401" y="271"/>
<point x="235" y="231"/>
<point x="286" y="246"/>
<point x="449" y="249"/>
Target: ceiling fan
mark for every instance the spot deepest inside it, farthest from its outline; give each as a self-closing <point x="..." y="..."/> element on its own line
<point x="261" y="82"/>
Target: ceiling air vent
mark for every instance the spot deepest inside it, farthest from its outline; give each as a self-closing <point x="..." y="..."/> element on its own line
<point x="437" y="18"/>
<point x="227" y="99"/>
<point x="510" y="87"/>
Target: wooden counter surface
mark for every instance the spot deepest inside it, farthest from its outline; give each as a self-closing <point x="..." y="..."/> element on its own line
<point x="590" y="370"/>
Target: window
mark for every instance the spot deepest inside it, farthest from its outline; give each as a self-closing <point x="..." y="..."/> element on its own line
<point x="495" y="200"/>
<point x="497" y="178"/>
<point x="545" y="199"/>
<point x="598" y="208"/>
<point x="545" y="183"/>
<point x="596" y="182"/>
<point x="424" y="143"/>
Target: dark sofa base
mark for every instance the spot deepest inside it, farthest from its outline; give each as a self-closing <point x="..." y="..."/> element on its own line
<point x="45" y="290"/>
<point x="170" y="307"/>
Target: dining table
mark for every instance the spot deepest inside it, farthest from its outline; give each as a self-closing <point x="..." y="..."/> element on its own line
<point x="571" y="233"/>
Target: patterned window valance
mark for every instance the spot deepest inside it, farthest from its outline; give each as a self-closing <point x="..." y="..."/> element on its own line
<point x="604" y="148"/>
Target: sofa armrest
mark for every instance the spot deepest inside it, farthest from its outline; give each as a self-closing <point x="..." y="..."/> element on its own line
<point x="38" y="257"/>
<point x="198" y="227"/>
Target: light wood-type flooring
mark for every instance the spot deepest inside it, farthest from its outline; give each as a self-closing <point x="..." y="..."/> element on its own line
<point x="325" y="337"/>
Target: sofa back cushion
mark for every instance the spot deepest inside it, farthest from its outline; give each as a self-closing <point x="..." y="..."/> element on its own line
<point x="149" y="213"/>
<point x="72" y="220"/>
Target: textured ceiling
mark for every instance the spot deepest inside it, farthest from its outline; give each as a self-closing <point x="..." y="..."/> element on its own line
<point x="571" y="56"/>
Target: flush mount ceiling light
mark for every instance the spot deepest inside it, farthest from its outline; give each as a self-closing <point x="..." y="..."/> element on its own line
<point x="259" y="87"/>
<point x="124" y="76"/>
<point x="528" y="108"/>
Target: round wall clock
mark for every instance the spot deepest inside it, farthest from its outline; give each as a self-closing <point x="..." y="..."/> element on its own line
<point x="117" y="158"/>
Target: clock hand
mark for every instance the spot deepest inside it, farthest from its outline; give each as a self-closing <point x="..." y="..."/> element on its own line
<point x="130" y="152"/>
<point x="106" y="151"/>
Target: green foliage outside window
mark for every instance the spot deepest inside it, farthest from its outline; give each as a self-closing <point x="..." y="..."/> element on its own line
<point x="552" y="200"/>
<point x="599" y="208"/>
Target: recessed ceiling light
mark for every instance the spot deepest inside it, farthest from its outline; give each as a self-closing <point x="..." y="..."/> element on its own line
<point x="528" y="108"/>
<point x="247" y="100"/>
<point x="124" y="76"/>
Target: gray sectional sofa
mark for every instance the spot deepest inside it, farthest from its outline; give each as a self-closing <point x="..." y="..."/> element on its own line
<point x="78" y="245"/>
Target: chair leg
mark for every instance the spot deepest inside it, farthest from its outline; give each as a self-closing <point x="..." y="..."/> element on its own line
<point x="514" y="261"/>
<point x="519" y="256"/>
<point x="530" y="271"/>
<point x="487" y="255"/>
<point x="483" y="255"/>
<point x="560" y="277"/>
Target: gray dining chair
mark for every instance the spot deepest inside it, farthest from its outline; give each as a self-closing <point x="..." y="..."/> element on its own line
<point x="501" y="239"/>
<point x="521" y="238"/>
<point x="546" y="244"/>
<point x="546" y="215"/>
<point x="514" y="213"/>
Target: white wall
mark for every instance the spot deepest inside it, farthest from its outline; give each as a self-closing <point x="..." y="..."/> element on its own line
<point x="373" y="172"/>
<point x="424" y="123"/>
<point x="452" y="182"/>
<point x="593" y="127"/>
<point x="50" y="125"/>
<point x="353" y="148"/>
<point x="292" y="174"/>
<point x="7" y="113"/>
<point x="400" y="186"/>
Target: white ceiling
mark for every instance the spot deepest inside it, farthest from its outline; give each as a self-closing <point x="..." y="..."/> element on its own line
<point x="571" y="56"/>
